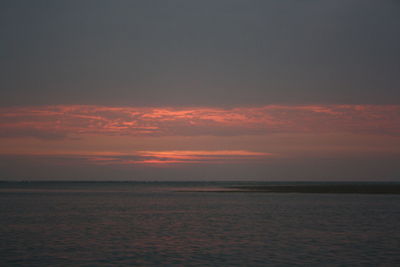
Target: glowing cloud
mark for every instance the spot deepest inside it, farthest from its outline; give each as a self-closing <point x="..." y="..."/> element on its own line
<point x="52" y="122"/>
<point x="158" y="157"/>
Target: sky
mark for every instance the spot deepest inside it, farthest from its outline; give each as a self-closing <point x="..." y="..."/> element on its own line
<point x="267" y="90"/>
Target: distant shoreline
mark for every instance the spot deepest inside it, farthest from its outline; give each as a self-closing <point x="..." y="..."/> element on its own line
<point x="211" y="186"/>
<point x="309" y="188"/>
<point x="324" y="189"/>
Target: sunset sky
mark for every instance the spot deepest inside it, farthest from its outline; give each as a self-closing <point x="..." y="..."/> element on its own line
<point x="200" y="90"/>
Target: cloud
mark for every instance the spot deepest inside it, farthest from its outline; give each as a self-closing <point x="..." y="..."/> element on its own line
<point x="152" y="157"/>
<point x="52" y="122"/>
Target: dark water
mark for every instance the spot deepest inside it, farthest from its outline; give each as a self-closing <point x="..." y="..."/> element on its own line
<point x="104" y="224"/>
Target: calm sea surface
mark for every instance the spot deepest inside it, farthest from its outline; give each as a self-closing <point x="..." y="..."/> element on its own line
<point x="156" y="224"/>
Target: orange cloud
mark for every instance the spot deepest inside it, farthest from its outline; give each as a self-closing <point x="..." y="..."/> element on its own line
<point x="158" y="157"/>
<point x="52" y="122"/>
<point x="201" y="156"/>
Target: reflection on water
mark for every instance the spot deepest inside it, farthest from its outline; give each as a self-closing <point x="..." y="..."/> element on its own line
<point x="43" y="224"/>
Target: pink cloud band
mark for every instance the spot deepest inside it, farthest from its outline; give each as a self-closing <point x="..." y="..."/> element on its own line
<point x="154" y="157"/>
<point x="51" y="122"/>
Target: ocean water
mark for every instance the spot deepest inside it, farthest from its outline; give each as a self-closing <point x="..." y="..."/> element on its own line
<point x="170" y="224"/>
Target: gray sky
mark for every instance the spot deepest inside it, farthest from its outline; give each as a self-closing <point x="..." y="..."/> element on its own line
<point x="200" y="89"/>
<point x="218" y="53"/>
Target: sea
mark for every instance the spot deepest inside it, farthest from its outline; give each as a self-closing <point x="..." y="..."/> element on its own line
<point x="192" y="224"/>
